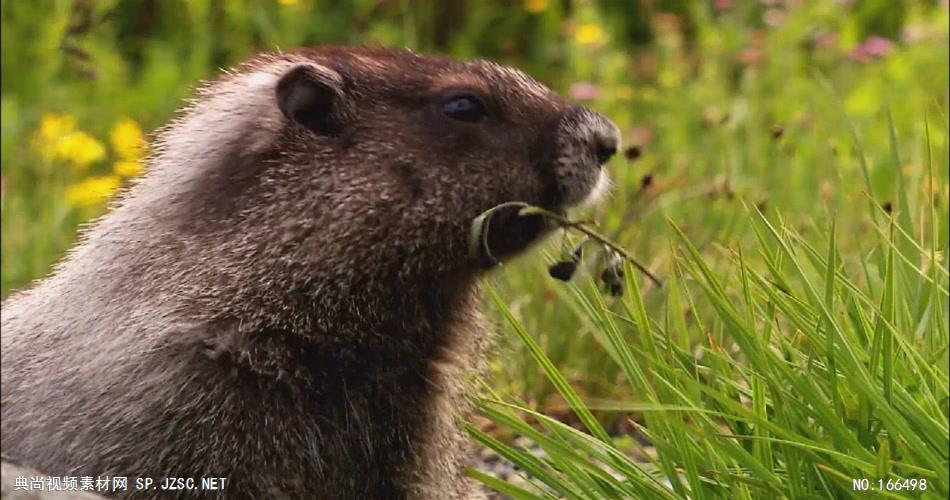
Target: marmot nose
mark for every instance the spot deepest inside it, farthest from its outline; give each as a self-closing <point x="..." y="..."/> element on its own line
<point x="600" y="134"/>
<point x="592" y="137"/>
<point x="605" y="147"/>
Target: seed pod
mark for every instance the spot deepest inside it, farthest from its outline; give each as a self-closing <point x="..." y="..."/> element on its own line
<point x="777" y="131"/>
<point x="562" y="270"/>
<point x="577" y="253"/>
<point x="612" y="274"/>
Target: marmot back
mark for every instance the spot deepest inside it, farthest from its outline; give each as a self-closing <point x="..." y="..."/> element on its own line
<point x="285" y="298"/>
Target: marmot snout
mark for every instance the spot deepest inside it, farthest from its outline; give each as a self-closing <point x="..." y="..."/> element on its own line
<point x="586" y="140"/>
<point x="285" y="298"/>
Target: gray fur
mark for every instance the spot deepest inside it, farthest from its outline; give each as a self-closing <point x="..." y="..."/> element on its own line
<point x="290" y="310"/>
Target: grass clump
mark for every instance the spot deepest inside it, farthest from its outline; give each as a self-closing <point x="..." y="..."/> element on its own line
<point x="808" y="379"/>
<point x="798" y="348"/>
<point x="805" y="372"/>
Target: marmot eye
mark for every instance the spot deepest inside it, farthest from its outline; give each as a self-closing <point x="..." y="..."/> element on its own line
<point x="466" y="108"/>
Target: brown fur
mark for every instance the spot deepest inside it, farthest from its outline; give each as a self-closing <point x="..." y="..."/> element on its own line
<point x="289" y="308"/>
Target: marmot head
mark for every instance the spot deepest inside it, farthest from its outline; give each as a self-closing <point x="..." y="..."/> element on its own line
<point x="385" y="155"/>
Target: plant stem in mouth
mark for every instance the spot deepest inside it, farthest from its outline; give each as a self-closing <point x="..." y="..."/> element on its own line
<point x="478" y="239"/>
<point x="583" y="227"/>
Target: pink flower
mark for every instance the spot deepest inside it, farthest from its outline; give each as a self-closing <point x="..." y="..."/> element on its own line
<point x="750" y="56"/>
<point x="858" y="55"/>
<point x="874" y="47"/>
<point x="640" y="135"/>
<point x="584" y="91"/>
<point x="773" y="17"/>
<point x="877" y="46"/>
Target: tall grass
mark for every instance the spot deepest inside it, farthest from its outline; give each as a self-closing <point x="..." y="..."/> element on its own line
<point x="805" y="372"/>
<point x="799" y="345"/>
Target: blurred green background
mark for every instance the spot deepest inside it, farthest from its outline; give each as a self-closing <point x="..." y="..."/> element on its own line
<point x="723" y="105"/>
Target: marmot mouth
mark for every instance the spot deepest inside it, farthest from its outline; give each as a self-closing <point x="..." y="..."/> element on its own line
<point x="509" y="234"/>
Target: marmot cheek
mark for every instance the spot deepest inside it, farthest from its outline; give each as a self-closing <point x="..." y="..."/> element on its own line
<point x="601" y="188"/>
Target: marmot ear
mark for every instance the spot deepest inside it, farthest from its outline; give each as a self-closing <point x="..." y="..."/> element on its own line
<point x="312" y="96"/>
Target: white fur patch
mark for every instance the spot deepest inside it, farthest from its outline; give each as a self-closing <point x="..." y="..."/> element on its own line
<point x="261" y="79"/>
<point x="600" y="189"/>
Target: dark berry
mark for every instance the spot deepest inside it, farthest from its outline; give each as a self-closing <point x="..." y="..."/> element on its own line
<point x="646" y="181"/>
<point x="632" y="153"/>
<point x="562" y="270"/>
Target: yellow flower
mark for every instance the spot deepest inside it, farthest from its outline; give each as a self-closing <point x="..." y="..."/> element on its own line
<point x="127" y="139"/>
<point x="535" y="6"/>
<point x="127" y="168"/>
<point x="288" y="2"/>
<point x="78" y="148"/>
<point x="92" y="191"/>
<point x="57" y="139"/>
<point x="54" y="126"/>
<point x="589" y="34"/>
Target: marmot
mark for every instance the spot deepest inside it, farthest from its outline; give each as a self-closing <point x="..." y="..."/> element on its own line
<point x="285" y="298"/>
